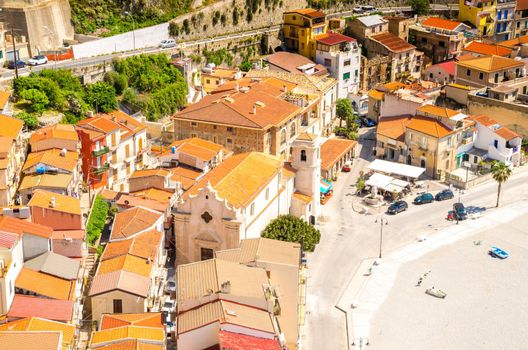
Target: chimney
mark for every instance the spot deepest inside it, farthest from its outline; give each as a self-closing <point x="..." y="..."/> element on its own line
<point x="63" y="152"/>
<point x="52" y="202"/>
<point x="225" y="287"/>
<point x="236" y="87"/>
<point x="284" y="88"/>
<point x="89" y="114"/>
<point x="254" y="109"/>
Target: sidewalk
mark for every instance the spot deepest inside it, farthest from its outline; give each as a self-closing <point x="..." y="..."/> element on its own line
<point x="368" y="293"/>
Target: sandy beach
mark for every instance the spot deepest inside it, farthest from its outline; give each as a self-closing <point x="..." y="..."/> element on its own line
<point x="487" y="302"/>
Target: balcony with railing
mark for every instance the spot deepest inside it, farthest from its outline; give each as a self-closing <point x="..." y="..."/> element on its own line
<point x="101" y="151"/>
<point x="100" y="170"/>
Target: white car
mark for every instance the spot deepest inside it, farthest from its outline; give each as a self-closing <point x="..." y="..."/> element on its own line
<point x="37" y="60"/>
<point x="357" y="9"/>
<point x="168" y="305"/>
<point x="167" y="43"/>
<point x="170" y="287"/>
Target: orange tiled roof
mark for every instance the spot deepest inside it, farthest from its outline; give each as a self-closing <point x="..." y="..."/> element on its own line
<point x="11" y="127"/>
<point x="240" y="178"/>
<point x="302" y="197"/>
<point x="65" y="204"/>
<point x="146" y="319"/>
<point x="57" y="131"/>
<point x="393" y="42"/>
<point x="237" y="108"/>
<point x="132" y="221"/>
<point x="502" y="131"/>
<point x="308" y="12"/>
<point x="130" y="344"/>
<point x="151" y="334"/>
<point x="4" y="98"/>
<point x="393" y="127"/>
<point x="99" y="123"/>
<point x="130" y="201"/>
<point x="37" y="324"/>
<point x="145" y="246"/>
<point x="437" y="111"/>
<point x="333" y="150"/>
<point x="19" y="227"/>
<point x="44" y="284"/>
<point x="52" y="157"/>
<point x="127" y="262"/>
<point x="149" y="172"/>
<point x="429" y="126"/>
<point x="512" y="43"/>
<point x="30" y="340"/>
<point x="490" y="63"/>
<point x="487" y="49"/>
<point x="441" y="23"/>
<point x="155" y="194"/>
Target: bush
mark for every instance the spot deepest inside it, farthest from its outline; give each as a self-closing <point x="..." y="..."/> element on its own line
<point x="174" y="29"/>
<point x="38" y="100"/>
<point x="289" y="228"/>
<point x="118" y="81"/>
<point x="101" y="96"/>
<point x="97" y="221"/>
<point x="245" y="66"/>
<point x="30" y="120"/>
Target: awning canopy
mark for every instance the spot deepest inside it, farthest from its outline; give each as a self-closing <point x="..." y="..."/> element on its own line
<point x="379" y="180"/>
<point x="392" y="168"/>
<point x="325" y="187"/>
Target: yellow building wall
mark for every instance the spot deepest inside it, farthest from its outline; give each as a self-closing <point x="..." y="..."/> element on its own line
<point x="295" y="31"/>
<point x="471" y="14"/>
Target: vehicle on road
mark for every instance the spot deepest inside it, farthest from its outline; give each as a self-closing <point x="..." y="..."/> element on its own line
<point x="346" y="168"/>
<point x="357" y="9"/>
<point x="170" y="287"/>
<point x="37" y="60"/>
<point x="17" y="64"/>
<point x="436" y="292"/>
<point x="168" y="305"/>
<point x="397" y="207"/>
<point x="167" y="43"/>
<point x="367" y="122"/>
<point x="443" y="195"/>
<point x="496" y="252"/>
<point x="424" y="198"/>
<point x="368" y="8"/>
<point x="459" y="212"/>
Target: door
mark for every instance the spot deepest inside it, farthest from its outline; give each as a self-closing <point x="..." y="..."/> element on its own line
<point x="206" y="253"/>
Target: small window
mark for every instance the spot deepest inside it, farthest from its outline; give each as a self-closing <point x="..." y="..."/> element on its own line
<point x="118" y="306"/>
<point x="206" y="253"/>
<point x="252" y="209"/>
<point x="347" y="63"/>
<point x="193" y="124"/>
<point x="267" y="193"/>
<point x="441" y="44"/>
<point x="468" y="72"/>
<point x="303" y="156"/>
<point x="229" y="129"/>
<point x="424" y="40"/>
<point x="229" y="141"/>
<point x="208" y="81"/>
<point x="481" y="75"/>
<point x="328" y="62"/>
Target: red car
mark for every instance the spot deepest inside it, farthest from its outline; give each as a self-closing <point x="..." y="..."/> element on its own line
<point x="346" y="168"/>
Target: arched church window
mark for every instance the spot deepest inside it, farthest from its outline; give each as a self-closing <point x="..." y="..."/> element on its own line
<point x="303" y="156"/>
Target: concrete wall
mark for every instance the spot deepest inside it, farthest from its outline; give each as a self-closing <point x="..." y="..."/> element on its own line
<point x="56" y="219"/>
<point x="35" y="245"/>
<point x="200" y="338"/>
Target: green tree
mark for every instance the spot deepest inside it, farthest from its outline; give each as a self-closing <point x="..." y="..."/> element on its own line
<point x="500" y="173"/>
<point x="420" y="7"/>
<point x="292" y="229"/>
<point x="97" y="220"/>
<point x="236" y="16"/>
<point x="118" y="81"/>
<point x="174" y="29"/>
<point x="245" y="66"/>
<point x="344" y="110"/>
<point x="38" y="100"/>
<point x="101" y="96"/>
<point x="30" y="120"/>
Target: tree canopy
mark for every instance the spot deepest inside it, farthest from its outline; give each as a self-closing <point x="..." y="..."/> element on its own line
<point x="420" y="7"/>
<point x="500" y="173"/>
<point x="289" y="228"/>
<point x="101" y="96"/>
<point x="344" y="110"/>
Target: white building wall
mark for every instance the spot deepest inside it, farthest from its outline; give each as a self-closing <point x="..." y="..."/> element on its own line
<point x="34" y="246"/>
<point x="200" y="338"/>
<point x="338" y="69"/>
<point x="15" y="265"/>
<point x="393" y="106"/>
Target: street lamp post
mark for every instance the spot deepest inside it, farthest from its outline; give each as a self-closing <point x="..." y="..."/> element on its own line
<point x="382" y="222"/>
<point x="133" y="28"/>
<point x="466" y="165"/>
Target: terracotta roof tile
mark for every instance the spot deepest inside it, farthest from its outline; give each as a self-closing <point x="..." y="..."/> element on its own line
<point x="155" y="194"/>
<point x="263" y="250"/>
<point x="290" y="62"/>
<point x="58" y="181"/>
<point x="240" y="178"/>
<point x="19" y="227"/>
<point x="441" y="23"/>
<point x="521" y="5"/>
<point x="11" y="127"/>
<point x="333" y="150"/>
<point x="149" y="172"/>
<point x="125" y="281"/>
<point x="151" y="334"/>
<point x="65" y="204"/>
<point x="487" y="49"/>
<point x="30" y="340"/>
<point x="429" y="127"/>
<point x="332" y="38"/>
<point x="101" y="124"/>
<point x="57" y="131"/>
<point x="302" y="197"/>
<point x="29" y="306"/>
<point x="132" y="221"/>
<point x="146" y="319"/>
<point x="130" y="344"/>
<point x="308" y="12"/>
<point x="490" y="63"/>
<point x="502" y="131"/>
<point x="238" y="341"/>
<point x="437" y="111"/>
<point x="45" y="285"/>
<point x="130" y="201"/>
<point x="52" y="158"/>
<point x="7" y="240"/>
<point x="512" y="43"/>
<point x="392" y="42"/>
<point x="4" y="98"/>
<point x="128" y="263"/>
<point x="393" y="127"/>
<point x="35" y="324"/>
<point x="145" y="245"/>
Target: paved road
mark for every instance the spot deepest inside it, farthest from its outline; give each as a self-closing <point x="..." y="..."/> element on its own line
<point x="349" y="237"/>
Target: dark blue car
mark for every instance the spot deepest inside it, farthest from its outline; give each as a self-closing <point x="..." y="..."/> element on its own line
<point x="424" y="198"/>
<point x="17" y="64"/>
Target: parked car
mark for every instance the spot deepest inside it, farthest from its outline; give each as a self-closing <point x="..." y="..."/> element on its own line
<point x="459" y="211"/>
<point x="37" y="60"/>
<point x="367" y="122"/>
<point x="397" y="207"/>
<point x="443" y="195"/>
<point x="170" y="287"/>
<point x="368" y="8"/>
<point x="17" y="64"/>
<point x="424" y="198"/>
<point x="357" y="9"/>
<point x="167" y="43"/>
<point x="168" y="305"/>
<point x="347" y="167"/>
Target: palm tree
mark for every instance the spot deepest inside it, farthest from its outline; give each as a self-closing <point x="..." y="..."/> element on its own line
<point x="500" y="173"/>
